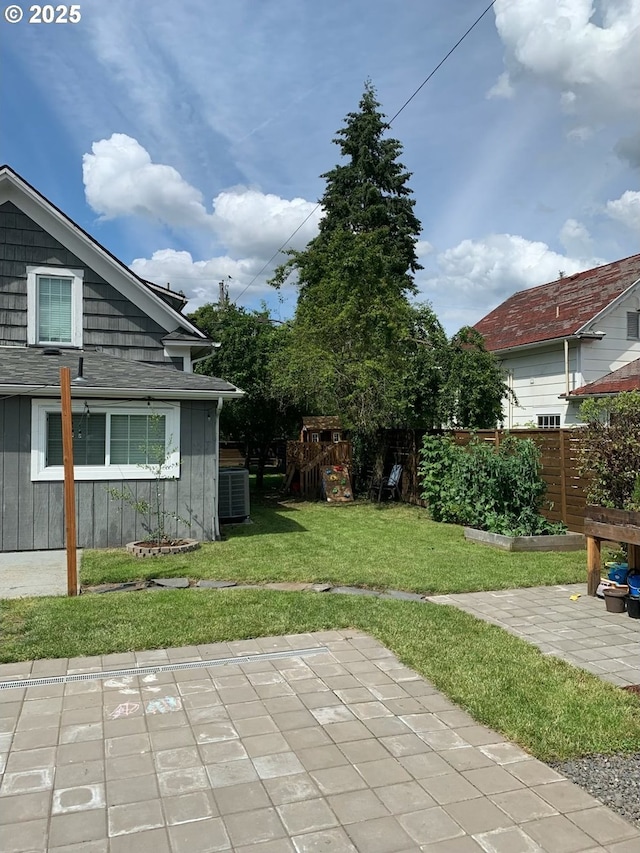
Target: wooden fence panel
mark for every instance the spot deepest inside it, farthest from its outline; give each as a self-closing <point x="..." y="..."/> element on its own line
<point x="308" y="458"/>
<point x="559" y="450"/>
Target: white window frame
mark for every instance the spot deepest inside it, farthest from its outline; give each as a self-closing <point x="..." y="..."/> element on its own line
<point x="337" y="437"/>
<point x="548" y="425"/>
<point x="315" y="437"/>
<point x="76" y="276"/>
<point x="41" y="473"/>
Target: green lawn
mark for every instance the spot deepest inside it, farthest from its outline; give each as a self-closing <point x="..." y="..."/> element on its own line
<point x="388" y="546"/>
<point x="550" y="708"/>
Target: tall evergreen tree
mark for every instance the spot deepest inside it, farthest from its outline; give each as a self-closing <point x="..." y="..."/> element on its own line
<point x="346" y="349"/>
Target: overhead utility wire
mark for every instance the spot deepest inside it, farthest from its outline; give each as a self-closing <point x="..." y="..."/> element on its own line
<point x="388" y="124"/>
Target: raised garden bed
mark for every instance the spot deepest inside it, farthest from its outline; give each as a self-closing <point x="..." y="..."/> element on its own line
<point x="553" y="542"/>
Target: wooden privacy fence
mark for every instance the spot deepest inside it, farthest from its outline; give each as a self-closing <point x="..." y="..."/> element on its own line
<point x="559" y="448"/>
<point x="306" y="461"/>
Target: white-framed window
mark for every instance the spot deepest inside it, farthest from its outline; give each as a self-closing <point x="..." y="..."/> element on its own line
<point x="548" y="421"/>
<point x="315" y="437"/>
<point x="337" y="437"/>
<point x="633" y="326"/>
<point x="110" y="441"/>
<point x="54" y="306"/>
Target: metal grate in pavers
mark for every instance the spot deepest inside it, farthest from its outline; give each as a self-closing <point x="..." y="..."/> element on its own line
<point x="163" y="667"/>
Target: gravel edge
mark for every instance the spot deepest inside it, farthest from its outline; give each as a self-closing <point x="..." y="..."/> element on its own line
<point x="612" y="779"/>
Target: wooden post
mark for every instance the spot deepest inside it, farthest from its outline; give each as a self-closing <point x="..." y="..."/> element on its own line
<point x="69" y="485"/>
<point x="563" y="477"/>
<point x="633" y="556"/>
<point x="594" y="564"/>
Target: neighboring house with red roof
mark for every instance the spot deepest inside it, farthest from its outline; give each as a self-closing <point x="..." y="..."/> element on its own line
<point x="65" y="301"/>
<point x="625" y="378"/>
<point x="555" y="339"/>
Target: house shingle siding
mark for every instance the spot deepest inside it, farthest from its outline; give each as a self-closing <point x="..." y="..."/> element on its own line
<point x="110" y="321"/>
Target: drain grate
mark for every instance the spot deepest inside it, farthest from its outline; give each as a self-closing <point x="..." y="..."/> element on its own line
<point x="163" y="667"/>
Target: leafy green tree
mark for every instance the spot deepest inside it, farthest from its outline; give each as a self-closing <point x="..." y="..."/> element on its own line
<point x="250" y="343"/>
<point x="474" y="385"/>
<point x="610" y="450"/>
<point x="353" y="317"/>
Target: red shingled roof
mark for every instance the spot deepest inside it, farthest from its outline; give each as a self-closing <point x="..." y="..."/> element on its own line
<point x="625" y="378"/>
<point x="557" y="309"/>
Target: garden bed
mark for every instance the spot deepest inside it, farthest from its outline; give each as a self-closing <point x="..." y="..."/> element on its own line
<point x="550" y="542"/>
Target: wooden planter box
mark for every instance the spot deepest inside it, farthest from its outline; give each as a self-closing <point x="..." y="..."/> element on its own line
<point x="613" y="525"/>
<point x="553" y="542"/>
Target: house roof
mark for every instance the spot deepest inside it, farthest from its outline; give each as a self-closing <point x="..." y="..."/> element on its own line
<point x="558" y="309"/>
<point x="162" y="304"/>
<point x="625" y="378"/>
<point x="32" y="372"/>
<point x="320" y="422"/>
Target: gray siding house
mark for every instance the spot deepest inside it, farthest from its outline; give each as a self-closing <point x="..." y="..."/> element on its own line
<point x="65" y="301"/>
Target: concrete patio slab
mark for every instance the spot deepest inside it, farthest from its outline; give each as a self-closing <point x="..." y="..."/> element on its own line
<point x="278" y="745"/>
<point x="579" y="630"/>
<point x="34" y="573"/>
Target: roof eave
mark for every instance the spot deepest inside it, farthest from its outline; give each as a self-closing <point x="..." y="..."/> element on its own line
<point x="92" y="391"/>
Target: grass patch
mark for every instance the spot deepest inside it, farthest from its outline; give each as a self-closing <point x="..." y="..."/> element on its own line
<point x="388" y="546"/>
<point x="549" y="707"/>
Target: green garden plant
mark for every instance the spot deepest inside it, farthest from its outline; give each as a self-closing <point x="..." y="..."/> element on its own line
<point x="495" y="489"/>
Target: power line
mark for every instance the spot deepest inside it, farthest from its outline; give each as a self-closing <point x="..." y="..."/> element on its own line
<point x="388" y="125"/>
<point x="442" y="62"/>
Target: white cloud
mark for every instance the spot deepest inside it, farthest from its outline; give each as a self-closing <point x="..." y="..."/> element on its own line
<point x="626" y="209"/>
<point x="120" y="180"/>
<point x="246" y="219"/>
<point x="575" y="238"/>
<point x="502" y="88"/>
<point x="198" y="280"/>
<point x="585" y="50"/>
<point x="476" y="275"/>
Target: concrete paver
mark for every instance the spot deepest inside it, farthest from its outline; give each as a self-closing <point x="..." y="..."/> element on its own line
<point x="581" y="632"/>
<point x="347" y="750"/>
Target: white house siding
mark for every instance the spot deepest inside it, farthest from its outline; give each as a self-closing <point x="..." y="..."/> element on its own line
<point x="537" y="377"/>
<point x="600" y="357"/>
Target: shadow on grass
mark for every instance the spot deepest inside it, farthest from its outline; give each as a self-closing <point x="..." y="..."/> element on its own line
<point x="267" y="517"/>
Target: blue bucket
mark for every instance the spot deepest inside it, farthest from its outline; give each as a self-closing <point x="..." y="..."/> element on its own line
<point x="634" y="585"/>
<point x="618" y="572"/>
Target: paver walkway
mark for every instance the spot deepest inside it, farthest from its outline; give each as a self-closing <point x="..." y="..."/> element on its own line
<point x="581" y="632"/>
<point x="298" y="744"/>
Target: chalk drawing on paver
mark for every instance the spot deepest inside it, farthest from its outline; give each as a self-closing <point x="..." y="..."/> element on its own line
<point x="164" y="705"/>
<point x="125" y="709"/>
<point x="125" y="681"/>
<point x="151" y="677"/>
<point x="78" y="799"/>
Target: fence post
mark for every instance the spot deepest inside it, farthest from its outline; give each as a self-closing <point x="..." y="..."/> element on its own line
<point x="563" y="477"/>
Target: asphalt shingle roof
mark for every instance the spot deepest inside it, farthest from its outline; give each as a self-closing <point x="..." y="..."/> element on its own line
<point x="557" y="309"/>
<point x="625" y="378"/>
<point x="31" y="368"/>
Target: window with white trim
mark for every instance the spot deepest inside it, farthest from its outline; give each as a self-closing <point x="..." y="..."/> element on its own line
<point x="110" y="441"/>
<point x="337" y="437"/>
<point x="548" y="421"/>
<point x="54" y="306"/>
<point x="315" y="437"/>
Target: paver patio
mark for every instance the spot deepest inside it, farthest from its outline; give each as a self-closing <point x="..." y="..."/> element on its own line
<point x="581" y="632"/>
<point x="295" y="744"/>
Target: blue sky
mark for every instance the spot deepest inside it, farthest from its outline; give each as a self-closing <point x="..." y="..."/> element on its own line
<point x="189" y="137"/>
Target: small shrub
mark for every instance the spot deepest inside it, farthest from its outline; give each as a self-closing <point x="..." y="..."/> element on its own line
<point x="495" y="489"/>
